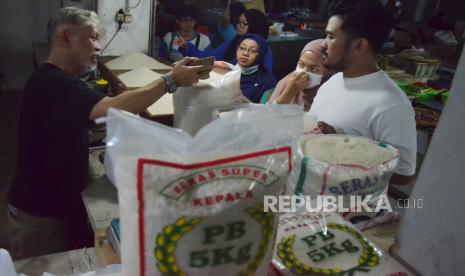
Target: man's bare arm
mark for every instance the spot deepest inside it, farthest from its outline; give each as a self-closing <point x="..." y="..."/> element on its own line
<point x="137" y="100"/>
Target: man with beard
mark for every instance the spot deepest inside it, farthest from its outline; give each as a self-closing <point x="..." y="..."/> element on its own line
<point x="46" y="212"/>
<point x="361" y="99"/>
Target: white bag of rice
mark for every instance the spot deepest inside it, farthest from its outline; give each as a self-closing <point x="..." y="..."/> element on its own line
<point x="325" y="244"/>
<point x="309" y="121"/>
<point x="343" y="165"/>
<point x="193" y="205"/>
<point x="194" y="105"/>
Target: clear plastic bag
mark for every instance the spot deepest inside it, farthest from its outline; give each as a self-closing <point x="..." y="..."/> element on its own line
<point x="194" y="105"/>
<point x="325" y="244"/>
<point x="194" y="204"/>
<point x="7" y="267"/>
<point x="310" y="124"/>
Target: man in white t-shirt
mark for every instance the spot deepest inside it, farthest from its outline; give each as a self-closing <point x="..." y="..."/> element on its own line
<point x="361" y="99"/>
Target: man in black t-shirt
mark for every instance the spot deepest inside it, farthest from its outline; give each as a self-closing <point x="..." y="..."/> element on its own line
<point x="46" y="213"/>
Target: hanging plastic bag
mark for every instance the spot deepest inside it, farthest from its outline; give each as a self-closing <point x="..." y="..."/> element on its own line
<point x="193" y="205"/>
<point x="325" y="244"/>
<point x="194" y="105"/>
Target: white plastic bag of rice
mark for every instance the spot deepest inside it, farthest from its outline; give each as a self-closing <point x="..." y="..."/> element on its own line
<point x="194" y="105"/>
<point x="309" y="121"/>
<point x="325" y="244"/>
<point x="194" y="205"/>
<point x="342" y="165"/>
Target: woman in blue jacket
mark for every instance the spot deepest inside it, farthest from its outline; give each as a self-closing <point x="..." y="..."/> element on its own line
<point x="256" y="79"/>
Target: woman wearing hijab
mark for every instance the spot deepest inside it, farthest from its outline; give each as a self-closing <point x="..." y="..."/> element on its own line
<point x="250" y="22"/>
<point x="256" y="79"/>
<point x="300" y="87"/>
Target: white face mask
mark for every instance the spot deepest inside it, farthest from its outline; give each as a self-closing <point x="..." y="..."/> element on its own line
<point x="315" y="79"/>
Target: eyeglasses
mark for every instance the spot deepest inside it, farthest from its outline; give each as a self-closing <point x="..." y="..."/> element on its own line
<point x="250" y="50"/>
<point x="242" y="24"/>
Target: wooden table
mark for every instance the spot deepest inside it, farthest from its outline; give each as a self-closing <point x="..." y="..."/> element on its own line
<point x="101" y="201"/>
<point x="112" y="77"/>
<point x="63" y="263"/>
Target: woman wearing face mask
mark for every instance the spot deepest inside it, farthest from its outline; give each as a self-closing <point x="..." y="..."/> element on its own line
<point x="255" y="78"/>
<point x="300" y="86"/>
<point x="250" y="22"/>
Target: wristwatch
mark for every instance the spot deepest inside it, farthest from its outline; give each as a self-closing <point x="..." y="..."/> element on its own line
<point x="171" y="85"/>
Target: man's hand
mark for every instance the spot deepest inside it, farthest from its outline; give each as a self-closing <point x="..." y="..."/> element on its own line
<point x="185" y="75"/>
<point x="325" y="128"/>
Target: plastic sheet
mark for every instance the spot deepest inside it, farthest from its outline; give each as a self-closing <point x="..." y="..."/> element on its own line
<point x="194" y="204"/>
<point x="325" y="244"/>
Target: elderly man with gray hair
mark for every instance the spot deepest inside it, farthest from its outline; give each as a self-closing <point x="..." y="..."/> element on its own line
<point x="46" y="213"/>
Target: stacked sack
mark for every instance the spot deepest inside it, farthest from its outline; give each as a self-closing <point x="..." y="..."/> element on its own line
<point x="326" y="244"/>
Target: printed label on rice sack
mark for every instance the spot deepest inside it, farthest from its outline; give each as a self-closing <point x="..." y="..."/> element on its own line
<point x="339" y="180"/>
<point x="209" y="216"/>
<point x="323" y="244"/>
<point x="341" y="165"/>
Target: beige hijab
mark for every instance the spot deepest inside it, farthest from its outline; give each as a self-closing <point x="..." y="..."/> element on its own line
<point x="304" y="97"/>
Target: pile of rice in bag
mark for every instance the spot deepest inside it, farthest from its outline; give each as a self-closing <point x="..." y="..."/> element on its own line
<point x="194" y="105"/>
<point x="325" y="244"/>
<point x="343" y="165"/>
<point x="194" y="205"/>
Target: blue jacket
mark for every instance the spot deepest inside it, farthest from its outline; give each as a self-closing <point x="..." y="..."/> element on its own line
<point x="254" y="85"/>
<point x="219" y="53"/>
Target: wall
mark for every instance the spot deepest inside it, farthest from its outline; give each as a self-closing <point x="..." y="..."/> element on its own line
<point x="432" y="239"/>
<point x="21" y="23"/>
<point x="454" y="9"/>
<point x="133" y="36"/>
<point x="24" y="21"/>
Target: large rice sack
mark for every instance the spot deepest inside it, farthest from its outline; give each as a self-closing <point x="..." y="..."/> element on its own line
<point x="310" y="124"/>
<point x="193" y="205"/>
<point x="325" y="244"/>
<point x="343" y="165"/>
<point x="194" y="105"/>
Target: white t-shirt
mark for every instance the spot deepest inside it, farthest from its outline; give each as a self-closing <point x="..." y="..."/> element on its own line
<point x="372" y="106"/>
<point x="174" y="54"/>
